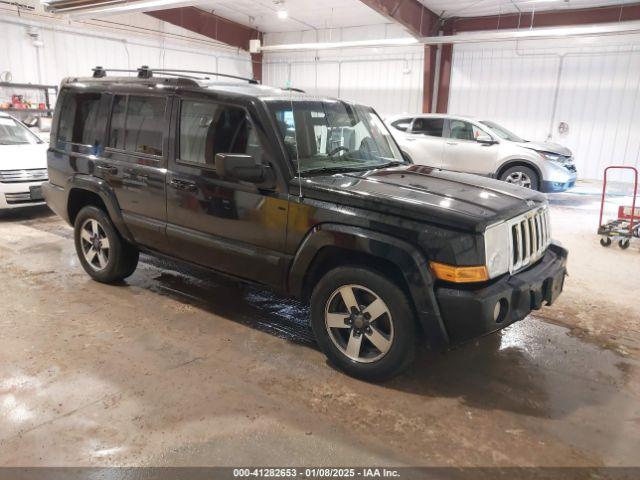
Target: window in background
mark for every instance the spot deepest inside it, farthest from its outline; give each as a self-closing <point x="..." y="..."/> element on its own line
<point x="428" y="126"/>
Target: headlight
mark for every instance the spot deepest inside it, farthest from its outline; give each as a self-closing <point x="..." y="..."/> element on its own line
<point x="496" y="249"/>
<point x="554" y="157"/>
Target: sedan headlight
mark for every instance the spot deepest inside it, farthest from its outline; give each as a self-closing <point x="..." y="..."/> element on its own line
<point x="496" y="249"/>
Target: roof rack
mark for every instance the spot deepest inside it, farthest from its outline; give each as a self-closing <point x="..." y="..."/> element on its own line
<point x="146" y="72"/>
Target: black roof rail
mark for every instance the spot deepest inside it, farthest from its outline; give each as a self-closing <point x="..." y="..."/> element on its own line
<point x="146" y="72"/>
<point x="200" y="72"/>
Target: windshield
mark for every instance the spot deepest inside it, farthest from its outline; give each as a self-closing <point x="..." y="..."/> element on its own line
<point x="334" y="136"/>
<point x="13" y="132"/>
<point x="502" y="132"/>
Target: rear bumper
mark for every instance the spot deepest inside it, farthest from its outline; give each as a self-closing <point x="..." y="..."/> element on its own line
<point x="20" y="195"/>
<point x="470" y="313"/>
<point x="56" y="198"/>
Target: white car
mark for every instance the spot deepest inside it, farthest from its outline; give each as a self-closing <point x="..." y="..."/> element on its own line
<point x="483" y="147"/>
<point x="23" y="165"/>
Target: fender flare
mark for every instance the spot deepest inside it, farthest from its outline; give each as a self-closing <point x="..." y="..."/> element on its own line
<point x="101" y="188"/>
<point x="410" y="261"/>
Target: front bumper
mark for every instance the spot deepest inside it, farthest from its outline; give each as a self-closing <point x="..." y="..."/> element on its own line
<point x="554" y="187"/>
<point x="469" y="313"/>
<point x="20" y="194"/>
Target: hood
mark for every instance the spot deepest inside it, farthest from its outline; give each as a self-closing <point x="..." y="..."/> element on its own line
<point x="456" y="200"/>
<point x="23" y="157"/>
<point x="547" y="147"/>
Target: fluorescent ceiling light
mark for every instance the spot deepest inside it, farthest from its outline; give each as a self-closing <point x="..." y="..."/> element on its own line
<point x="110" y="7"/>
<point x="596" y="30"/>
<point x="282" y="14"/>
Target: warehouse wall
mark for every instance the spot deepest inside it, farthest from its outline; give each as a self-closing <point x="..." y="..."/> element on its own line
<point x="71" y="51"/>
<point x="532" y="86"/>
<point x="389" y="79"/>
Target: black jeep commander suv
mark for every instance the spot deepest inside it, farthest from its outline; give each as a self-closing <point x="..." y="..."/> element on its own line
<point x="308" y="196"/>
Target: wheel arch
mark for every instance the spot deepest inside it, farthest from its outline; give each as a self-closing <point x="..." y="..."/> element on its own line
<point x="327" y="246"/>
<point x="88" y="190"/>
<point x="519" y="162"/>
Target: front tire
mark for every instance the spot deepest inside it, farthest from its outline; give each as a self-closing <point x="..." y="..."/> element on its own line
<point x="103" y="253"/>
<point x="363" y="323"/>
<point x="522" y="176"/>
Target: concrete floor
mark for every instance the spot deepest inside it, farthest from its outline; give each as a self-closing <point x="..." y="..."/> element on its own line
<point x="180" y="368"/>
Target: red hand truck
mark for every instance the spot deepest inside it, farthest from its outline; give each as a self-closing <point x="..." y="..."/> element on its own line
<point x="627" y="225"/>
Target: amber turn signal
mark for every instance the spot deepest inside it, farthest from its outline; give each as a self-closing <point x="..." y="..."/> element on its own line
<point x="451" y="273"/>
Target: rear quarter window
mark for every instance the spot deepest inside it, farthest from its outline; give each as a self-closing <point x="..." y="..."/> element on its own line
<point x="78" y="118"/>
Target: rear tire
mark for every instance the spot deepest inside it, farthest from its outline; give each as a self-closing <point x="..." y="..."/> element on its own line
<point x="522" y="176"/>
<point x="375" y="339"/>
<point x="103" y="253"/>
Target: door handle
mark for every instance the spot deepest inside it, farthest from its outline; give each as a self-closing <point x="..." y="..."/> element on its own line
<point x="411" y="139"/>
<point x="107" y="168"/>
<point x="452" y="143"/>
<point x="183" y="185"/>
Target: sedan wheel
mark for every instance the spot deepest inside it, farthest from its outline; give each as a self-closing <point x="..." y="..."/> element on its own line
<point x="359" y="323"/>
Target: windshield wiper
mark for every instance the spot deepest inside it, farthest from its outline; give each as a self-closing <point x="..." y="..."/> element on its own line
<point x="335" y="169"/>
<point x="394" y="163"/>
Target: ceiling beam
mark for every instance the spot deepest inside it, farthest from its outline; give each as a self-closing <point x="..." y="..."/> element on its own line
<point x="548" y="18"/>
<point x="215" y="27"/>
<point x="210" y="25"/>
<point x="411" y="14"/>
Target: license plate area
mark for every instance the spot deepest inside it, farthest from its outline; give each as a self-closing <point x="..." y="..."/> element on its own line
<point x="36" y="193"/>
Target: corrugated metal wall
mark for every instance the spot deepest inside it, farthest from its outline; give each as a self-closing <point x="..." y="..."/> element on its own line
<point x="532" y="87"/>
<point x="389" y="79"/>
<point x="69" y="52"/>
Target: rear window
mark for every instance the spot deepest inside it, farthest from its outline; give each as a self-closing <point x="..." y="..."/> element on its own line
<point x="428" y="126"/>
<point x="78" y="118"/>
<point x="137" y="124"/>
<point x="403" y="124"/>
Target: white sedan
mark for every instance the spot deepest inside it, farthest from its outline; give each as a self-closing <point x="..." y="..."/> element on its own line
<point x="23" y="165"/>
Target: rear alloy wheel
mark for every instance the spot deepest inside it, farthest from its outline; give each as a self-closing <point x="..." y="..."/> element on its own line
<point x="103" y="253"/>
<point x="522" y="176"/>
<point x="363" y="322"/>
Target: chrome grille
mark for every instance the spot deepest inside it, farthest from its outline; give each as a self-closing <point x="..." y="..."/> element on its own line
<point x="16" y="176"/>
<point x="530" y="237"/>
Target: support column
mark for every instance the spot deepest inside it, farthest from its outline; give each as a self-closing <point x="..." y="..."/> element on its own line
<point x="446" y="57"/>
<point x="428" y="79"/>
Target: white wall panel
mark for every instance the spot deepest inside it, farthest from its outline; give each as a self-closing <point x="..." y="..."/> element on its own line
<point x="389" y="79"/>
<point x="531" y="87"/>
<point x="69" y="52"/>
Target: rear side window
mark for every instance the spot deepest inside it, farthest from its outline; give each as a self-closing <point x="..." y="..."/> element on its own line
<point x="78" y="118"/>
<point x="137" y="124"/>
<point x="428" y="126"/>
<point x="207" y="129"/>
<point x="402" y="124"/>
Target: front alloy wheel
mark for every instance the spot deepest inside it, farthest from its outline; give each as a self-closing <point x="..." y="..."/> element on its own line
<point x="363" y="322"/>
<point x="519" y="178"/>
<point x="359" y="323"/>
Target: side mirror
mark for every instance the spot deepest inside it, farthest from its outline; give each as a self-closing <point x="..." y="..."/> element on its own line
<point x="485" y="140"/>
<point x="232" y="166"/>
